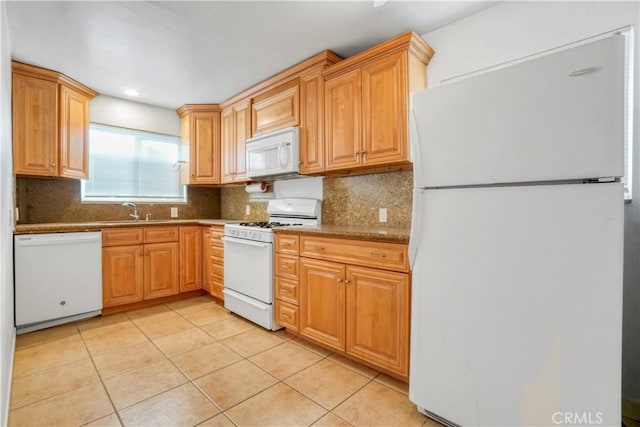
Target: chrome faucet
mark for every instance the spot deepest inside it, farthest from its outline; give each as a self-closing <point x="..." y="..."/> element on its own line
<point x="133" y="215"/>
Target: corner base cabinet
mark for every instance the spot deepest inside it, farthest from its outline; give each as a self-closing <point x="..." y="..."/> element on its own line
<point x="351" y="296"/>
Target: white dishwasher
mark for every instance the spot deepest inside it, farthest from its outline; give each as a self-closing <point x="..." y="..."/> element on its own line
<point x="58" y="278"/>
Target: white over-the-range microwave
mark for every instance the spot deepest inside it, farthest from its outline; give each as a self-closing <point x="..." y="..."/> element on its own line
<point x="275" y="154"/>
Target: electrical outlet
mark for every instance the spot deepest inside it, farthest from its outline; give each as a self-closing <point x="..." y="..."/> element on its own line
<point x="382" y="215"/>
<point x="174" y="212"/>
<point x="247" y="210"/>
<point x="17" y="215"/>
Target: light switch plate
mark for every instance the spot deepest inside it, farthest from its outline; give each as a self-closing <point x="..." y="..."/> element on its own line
<point x="382" y="215"/>
<point x="174" y="212"/>
<point x="247" y="210"/>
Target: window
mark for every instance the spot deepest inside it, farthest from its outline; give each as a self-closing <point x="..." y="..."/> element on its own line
<point x="131" y="165"/>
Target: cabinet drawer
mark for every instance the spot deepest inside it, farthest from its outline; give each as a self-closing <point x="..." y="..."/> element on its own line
<point x="122" y="236"/>
<point x="287" y="244"/>
<point x="287" y="290"/>
<point x="217" y="252"/>
<point x="287" y="315"/>
<point x="388" y="256"/>
<point x="217" y="271"/>
<point x="216" y="236"/>
<point x="217" y="289"/>
<point x="287" y="266"/>
<point x="160" y="234"/>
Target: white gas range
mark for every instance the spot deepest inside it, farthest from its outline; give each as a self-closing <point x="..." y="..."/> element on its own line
<point x="248" y="258"/>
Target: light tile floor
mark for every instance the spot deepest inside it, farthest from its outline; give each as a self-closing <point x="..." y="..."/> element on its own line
<point x="193" y="363"/>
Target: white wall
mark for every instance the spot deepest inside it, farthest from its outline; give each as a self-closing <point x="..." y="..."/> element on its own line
<point x="133" y="115"/>
<point x="511" y="30"/>
<point x="7" y="330"/>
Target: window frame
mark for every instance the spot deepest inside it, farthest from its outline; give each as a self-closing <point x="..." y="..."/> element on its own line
<point x="138" y="134"/>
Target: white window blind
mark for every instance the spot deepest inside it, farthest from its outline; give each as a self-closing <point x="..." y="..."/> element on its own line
<point x="131" y="165"/>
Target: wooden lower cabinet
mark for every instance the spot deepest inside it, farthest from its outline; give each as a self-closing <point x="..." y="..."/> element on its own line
<point x="214" y="262"/>
<point x="122" y="275"/>
<point x="377" y="317"/>
<point x="322" y="302"/>
<point x="143" y="263"/>
<point x="161" y="276"/>
<point x="206" y="256"/>
<point x="190" y="258"/>
<point x="360" y="310"/>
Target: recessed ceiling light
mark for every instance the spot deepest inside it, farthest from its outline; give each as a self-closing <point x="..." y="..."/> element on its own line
<point x="379" y="3"/>
<point x="131" y="92"/>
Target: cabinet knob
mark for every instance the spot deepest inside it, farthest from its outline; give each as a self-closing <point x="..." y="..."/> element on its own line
<point x="53" y="165"/>
<point x="341" y="281"/>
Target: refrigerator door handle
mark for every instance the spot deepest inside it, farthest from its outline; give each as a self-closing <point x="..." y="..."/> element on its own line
<point x="414" y="146"/>
<point x="416" y="223"/>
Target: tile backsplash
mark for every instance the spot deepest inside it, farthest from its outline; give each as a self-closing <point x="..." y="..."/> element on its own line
<point x="348" y="200"/>
<point x="58" y="200"/>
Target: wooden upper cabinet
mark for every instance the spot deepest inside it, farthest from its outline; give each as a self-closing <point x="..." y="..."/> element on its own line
<point x="343" y="110"/>
<point x="236" y="129"/>
<point x="312" y="122"/>
<point x="200" y="132"/>
<point x="35" y="124"/>
<point x="367" y="104"/>
<point x="50" y="123"/>
<point x="276" y="109"/>
<point x="74" y="134"/>
<point x="385" y="111"/>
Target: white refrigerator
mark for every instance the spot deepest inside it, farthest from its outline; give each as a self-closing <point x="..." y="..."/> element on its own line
<point x="516" y="243"/>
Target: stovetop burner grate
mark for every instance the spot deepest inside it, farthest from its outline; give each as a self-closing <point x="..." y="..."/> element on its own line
<point x="264" y="224"/>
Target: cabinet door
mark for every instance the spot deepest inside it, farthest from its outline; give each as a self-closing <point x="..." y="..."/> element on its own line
<point x="276" y="109"/>
<point x="378" y="314"/>
<point x="206" y="259"/>
<point x="322" y="302"/>
<point x="35" y="126"/>
<point x="204" y="148"/>
<point x="343" y="105"/>
<point x="122" y="273"/>
<point x="190" y="258"/>
<point x="228" y="145"/>
<point x="161" y="277"/>
<point x="312" y="123"/>
<point x="385" y="109"/>
<point x="242" y="131"/>
<point x="74" y="134"/>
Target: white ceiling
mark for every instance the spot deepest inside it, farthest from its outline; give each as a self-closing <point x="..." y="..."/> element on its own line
<point x="178" y="52"/>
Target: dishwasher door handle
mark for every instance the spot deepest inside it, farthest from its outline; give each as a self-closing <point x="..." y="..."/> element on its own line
<point x="62" y="239"/>
<point x="245" y="242"/>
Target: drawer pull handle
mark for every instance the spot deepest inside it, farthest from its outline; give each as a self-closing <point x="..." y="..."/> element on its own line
<point x="317" y="247"/>
<point x="377" y="255"/>
<point x="288" y="267"/>
<point x="285" y="291"/>
<point x="284" y="316"/>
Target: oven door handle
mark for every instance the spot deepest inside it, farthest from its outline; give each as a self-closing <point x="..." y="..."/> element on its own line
<point x="245" y="242"/>
<point x="245" y="299"/>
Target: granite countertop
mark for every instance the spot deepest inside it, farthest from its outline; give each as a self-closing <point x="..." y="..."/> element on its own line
<point x="99" y="225"/>
<point x="382" y="234"/>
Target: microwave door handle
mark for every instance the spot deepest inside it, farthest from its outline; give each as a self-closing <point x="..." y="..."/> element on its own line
<point x="285" y="160"/>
